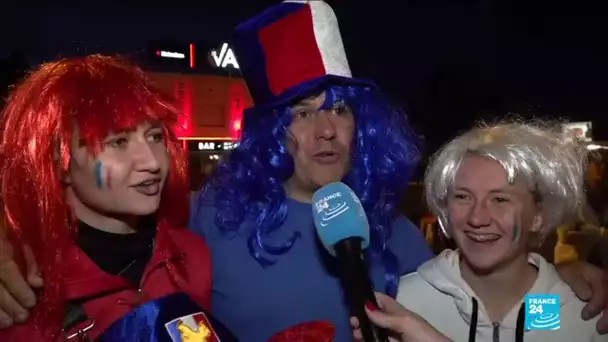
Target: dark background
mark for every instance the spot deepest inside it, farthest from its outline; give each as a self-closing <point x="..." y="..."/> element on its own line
<point x="448" y="62"/>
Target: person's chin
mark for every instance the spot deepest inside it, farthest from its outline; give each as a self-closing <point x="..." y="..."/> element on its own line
<point x="482" y="262"/>
<point x="327" y="178"/>
<point x="482" y="267"/>
<point x="319" y="183"/>
<point x="145" y="207"/>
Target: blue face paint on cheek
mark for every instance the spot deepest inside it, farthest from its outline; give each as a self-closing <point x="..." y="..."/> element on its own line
<point x="98" y="174"/>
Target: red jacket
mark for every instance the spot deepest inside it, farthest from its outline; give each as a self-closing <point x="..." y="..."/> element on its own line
<point x="181" y="262"/>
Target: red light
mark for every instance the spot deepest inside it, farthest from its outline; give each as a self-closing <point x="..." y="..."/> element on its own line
<point x="183" y="92"/>
<point x="236" y="125"/>
<point x="158" y="53"/>
<point x="238" y="94"/>
<point x="191" y="56"/>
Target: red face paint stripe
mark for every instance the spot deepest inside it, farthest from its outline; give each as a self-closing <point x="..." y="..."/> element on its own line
<point x="109" y="178"/>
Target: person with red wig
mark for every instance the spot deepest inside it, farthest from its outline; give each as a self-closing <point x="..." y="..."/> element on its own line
<point x="95" y="182"/>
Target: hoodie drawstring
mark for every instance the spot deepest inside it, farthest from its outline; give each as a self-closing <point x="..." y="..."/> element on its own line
<point x="519" y="328"/>
<point x="473" y="326"/>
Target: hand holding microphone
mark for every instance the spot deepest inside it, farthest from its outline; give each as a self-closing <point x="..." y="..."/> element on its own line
<point x="404" y="325"/>
<point x="343" y="229"/>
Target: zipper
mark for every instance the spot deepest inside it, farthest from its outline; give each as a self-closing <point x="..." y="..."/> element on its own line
<point x="495" y="332"/>
<point x="140" y="287"/>
<point x="146" y="270"/>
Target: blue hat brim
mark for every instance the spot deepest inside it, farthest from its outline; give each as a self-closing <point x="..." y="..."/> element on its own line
<point x="307" y="89"/>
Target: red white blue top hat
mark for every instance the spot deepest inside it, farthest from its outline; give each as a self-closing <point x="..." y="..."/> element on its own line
<point x="290" y="51"/>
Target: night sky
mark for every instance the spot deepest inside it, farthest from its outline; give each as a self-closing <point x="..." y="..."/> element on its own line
<point x="447" y="62"/>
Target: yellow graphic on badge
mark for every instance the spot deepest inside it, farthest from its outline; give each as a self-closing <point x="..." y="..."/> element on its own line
<point x="189" y="335"/>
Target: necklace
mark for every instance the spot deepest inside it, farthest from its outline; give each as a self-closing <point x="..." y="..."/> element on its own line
<point x="150" y="247"/>
<point x="127" y="267"/>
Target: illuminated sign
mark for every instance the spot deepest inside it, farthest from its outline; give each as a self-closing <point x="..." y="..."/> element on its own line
<point x="169" y="54"/>
<point x="192" y="56"/>
<point x="224" y="57"/>
<point x="581" y="130"/>
<point x="212" y="145"/>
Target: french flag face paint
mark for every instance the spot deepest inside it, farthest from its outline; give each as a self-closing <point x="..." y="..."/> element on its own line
<point x="515" y="232"/>
<point x="109" y="178"/>
<point x="100" y="171"/>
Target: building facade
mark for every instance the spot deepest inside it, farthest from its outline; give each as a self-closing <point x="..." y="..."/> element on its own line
<point x="210" y="92"/>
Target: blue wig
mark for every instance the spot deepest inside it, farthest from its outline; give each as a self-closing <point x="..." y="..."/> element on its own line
<point x="385" y="152"/>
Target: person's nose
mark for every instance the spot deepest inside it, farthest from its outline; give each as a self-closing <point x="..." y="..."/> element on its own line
<point x="479" y="215"/>
<point x="145" y="159"/>
<point x="324" y="126"/>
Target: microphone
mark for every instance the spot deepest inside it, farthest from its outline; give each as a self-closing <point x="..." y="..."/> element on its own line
<point x="343" y="229"/>
<point x="175" y="317"/>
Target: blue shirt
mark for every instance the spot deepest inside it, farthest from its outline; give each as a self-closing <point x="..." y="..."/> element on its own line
<point x="256" y="302"/>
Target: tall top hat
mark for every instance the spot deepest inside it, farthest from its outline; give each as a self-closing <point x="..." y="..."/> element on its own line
<point x="291" y="50"/>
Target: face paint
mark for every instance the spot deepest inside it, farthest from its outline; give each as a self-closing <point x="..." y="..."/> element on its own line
<point x="98" y="174"/>
<point x="515" y="229"/>
<point x="109" y="178"/>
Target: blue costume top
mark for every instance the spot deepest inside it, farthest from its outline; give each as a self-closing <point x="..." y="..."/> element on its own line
<point x="255" y="302"/>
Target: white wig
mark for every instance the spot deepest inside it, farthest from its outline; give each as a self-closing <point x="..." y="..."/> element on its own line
<point x="550" y="162"/>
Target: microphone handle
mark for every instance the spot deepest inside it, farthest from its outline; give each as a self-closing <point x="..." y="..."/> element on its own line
<point x="358" y="287"/>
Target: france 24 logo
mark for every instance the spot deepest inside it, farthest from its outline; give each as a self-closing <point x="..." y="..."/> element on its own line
<point x="321" y="205"/>
<point x="542" y="312"/>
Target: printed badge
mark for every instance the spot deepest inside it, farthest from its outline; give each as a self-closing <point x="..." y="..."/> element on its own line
<point x="192" y="328"/>
<point x="542" y="312"/>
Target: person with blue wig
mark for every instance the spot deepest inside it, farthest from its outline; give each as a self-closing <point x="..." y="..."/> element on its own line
<point x="312" y="124"/>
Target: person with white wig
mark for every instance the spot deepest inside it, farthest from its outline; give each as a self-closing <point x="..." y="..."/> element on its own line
<point x="497" y="190"/>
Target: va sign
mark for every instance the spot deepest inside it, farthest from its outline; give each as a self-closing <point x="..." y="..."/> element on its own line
<point x="224" y="57"/>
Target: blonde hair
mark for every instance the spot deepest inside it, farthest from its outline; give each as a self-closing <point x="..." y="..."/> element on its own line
<point x="550" y="162"/>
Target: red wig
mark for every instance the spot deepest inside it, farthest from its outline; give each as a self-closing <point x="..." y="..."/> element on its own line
<point x="97" y="95"/>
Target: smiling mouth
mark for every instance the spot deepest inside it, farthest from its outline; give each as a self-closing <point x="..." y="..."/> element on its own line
<point x="148" y="182"/>
<point x="150" y="187"/>
<point x="483" y="238"/>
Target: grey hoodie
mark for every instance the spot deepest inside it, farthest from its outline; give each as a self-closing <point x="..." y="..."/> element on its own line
<point x="439" y="294"/>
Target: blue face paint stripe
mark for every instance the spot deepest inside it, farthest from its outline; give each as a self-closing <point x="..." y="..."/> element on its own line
<point x="98" y="175"/>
